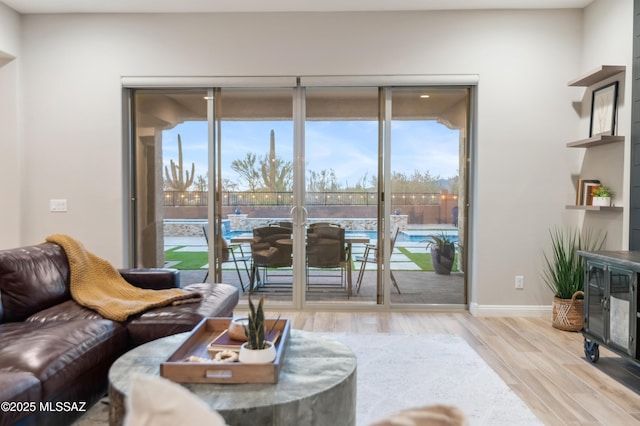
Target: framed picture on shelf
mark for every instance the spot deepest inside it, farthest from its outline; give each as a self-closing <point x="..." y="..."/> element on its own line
<point x="603" y="110"/>
<point x="587" y="196"/>
<point x="583" y="191"/>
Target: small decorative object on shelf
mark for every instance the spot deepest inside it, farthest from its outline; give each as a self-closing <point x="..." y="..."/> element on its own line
<point x="603" y="110"/>
<point x="256" y="350"/>
<point x="601" y="196"/>
<point x="584" y="196"/>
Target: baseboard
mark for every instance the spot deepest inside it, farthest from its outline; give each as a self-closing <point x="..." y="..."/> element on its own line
<point x="510" y="310"/>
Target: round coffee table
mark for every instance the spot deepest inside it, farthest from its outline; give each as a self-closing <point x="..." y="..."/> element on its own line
<point x="316" y="385"/>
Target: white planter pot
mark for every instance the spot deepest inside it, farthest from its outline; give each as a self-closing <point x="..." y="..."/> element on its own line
<point x="601" y="201"/>
<point x="257" y="356"/>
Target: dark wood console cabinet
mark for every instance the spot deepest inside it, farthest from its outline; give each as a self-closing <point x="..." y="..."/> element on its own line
<point x="611" y="303"/>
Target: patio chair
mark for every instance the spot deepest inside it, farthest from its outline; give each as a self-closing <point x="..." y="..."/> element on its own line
<point x="228" y="254"/>
<point x="326" y="249"/>
<point x="313" y="225"/>
<point x="371" y="256"/>
<point x="267" y="252"/>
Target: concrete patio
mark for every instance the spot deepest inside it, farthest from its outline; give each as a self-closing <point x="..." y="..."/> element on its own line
<point x="416" y="286"/>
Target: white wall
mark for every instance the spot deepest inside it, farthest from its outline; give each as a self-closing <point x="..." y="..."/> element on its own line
<point x="72" y="103"/>
<point x="9" y="31"/>
<point x="608" y="40"/>
<point x="9" y="128"/>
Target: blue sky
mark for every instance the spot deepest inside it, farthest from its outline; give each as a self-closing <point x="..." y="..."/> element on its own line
<point x="347" y="147"/>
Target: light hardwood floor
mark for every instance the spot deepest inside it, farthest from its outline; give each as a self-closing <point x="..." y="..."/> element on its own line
<point x="545" y="367"/>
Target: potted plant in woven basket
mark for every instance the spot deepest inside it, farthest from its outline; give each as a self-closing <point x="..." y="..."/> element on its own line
<point x="564" y="275"/>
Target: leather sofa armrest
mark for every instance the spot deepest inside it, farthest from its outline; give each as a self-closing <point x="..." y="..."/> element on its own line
<point x="152" y="278"/>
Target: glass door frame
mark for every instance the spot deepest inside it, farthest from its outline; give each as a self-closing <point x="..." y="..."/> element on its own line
<point x="298" y="212"/>
<point x="383" y="279"/>
<point x="215" y="178"/>
<point x="214" y="182"/>
<point x="383" y="209"/>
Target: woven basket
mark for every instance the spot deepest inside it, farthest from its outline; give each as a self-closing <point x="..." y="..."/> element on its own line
<point x="568" y="314"/>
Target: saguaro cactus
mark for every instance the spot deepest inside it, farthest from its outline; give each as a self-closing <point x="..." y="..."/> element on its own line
<point x="276" y="173"/>
<point x="179" y="180"/>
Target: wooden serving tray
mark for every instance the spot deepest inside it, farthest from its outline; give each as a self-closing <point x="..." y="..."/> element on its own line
<point x="179" y="370"/>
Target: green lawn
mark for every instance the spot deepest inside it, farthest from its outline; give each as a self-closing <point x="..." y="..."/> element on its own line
<point x="423" y="260"/>
<point x="190" y="260"/>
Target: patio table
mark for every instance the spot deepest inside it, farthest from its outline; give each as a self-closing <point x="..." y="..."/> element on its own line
<point x="349" y="240"/>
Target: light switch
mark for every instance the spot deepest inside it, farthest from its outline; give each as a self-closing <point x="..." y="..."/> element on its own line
<point x="58" y="205"/>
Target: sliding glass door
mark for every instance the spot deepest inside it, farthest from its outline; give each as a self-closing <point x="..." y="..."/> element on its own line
<point x="342" y="159"/>
<point x="229" y="183"/>
<point x="254" y="179"/>
<point x="428" y="196"/>
<point x="169" y="153"/>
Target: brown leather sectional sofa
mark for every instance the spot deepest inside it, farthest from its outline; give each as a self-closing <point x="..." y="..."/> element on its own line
<point x="54" y="352"/>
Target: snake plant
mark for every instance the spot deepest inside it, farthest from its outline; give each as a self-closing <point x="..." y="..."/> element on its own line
<point x="254" y="330"/>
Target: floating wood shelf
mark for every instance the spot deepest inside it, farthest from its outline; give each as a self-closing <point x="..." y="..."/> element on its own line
<point x="597" y="75"/>
<point x="595" y="208"/>
<point x="595" y="141"/>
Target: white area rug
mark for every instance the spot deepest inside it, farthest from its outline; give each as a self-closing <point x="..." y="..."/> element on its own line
<point x="402" y="371"/>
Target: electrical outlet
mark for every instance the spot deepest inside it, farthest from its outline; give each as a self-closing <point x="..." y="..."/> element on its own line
<point x="58" y="205"/>
<point x="519" y="282"/>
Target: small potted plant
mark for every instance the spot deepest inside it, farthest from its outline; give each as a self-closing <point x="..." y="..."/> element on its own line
<point x="256" y="350"/>
<point x="601" y="196"/>
<point x="443" y="252"/>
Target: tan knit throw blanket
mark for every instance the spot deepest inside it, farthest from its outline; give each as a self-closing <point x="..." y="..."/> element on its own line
<point x="97" y="285"/>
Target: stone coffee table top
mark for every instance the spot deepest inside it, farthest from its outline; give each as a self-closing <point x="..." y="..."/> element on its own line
<point x="316" y="385"/>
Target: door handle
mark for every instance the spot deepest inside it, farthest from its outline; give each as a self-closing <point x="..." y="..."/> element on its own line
<point x="295" y="216"/>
